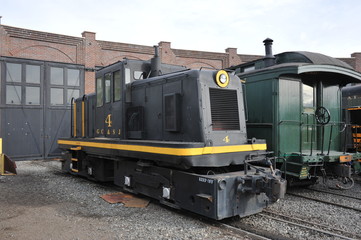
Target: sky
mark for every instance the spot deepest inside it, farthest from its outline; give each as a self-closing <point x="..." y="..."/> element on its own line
<point x="331" y="27"/>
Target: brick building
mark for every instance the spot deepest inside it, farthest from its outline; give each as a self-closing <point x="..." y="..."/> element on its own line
<point x="41" y="72"/>
<point x="92" y="53"/>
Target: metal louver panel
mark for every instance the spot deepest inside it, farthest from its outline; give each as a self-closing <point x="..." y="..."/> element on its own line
<point x="224" y="109"/>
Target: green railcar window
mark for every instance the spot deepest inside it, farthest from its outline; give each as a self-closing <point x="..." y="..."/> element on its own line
<point x="308" y="98"/>
<point x="99" y="92"/>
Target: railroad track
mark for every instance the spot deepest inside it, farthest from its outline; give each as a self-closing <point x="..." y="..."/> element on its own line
<point x="313" y="227"/>
<point x="241" y="232"/>
<point x="324" y="231"/>
<point x="324" y="201"/>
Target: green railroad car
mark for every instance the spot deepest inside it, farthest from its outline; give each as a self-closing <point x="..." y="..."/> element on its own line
<point x="294" y="102"/>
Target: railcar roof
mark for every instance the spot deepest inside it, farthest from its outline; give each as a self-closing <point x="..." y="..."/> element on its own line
<point x="309" y="66"/>
<point x="309" y="57"/>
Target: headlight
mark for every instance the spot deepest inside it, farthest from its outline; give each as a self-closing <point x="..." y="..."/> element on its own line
<point x="222" y="78"/>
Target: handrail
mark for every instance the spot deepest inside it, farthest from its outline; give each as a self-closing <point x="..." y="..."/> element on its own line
<point x="72" y="101"/>
<point x="306" y="125"/>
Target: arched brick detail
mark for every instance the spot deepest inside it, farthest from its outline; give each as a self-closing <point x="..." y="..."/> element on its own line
<point x="42" y="52"/>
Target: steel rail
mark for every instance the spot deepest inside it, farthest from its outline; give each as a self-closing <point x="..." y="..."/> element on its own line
<point x="326" y="202"/>
<point x="337" y="194"/>
<point x="346" y="234"/>
<point x="309" y="228"/>
<point x="241" y="232"/>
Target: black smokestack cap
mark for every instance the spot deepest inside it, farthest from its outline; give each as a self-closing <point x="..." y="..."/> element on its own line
<point x="269" y="59"/>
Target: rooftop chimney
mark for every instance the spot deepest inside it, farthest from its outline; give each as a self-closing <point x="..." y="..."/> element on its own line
<point x="269" y="59"/>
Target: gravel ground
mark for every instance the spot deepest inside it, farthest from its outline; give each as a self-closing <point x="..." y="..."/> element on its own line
<point x="312" y="212"/>
<point x="43" y="203"/>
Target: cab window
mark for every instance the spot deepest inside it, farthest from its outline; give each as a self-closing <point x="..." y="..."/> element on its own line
<point x="117" y="86"/>
<point x="99" y="92"/>
<point x="107" y="87"/>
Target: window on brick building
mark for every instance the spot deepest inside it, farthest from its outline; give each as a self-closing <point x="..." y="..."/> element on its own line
<point x="23" y="84"/>
<point x="13" y="94"/>
<point x="32" y="95"/>
<point x="72" y="93"/>
<point x="13" y="83"/>
<point x="56" y="76"/>
<point x="65" y="84"/>
<point x="56" y="96"/>
<point x="13" y="72"/>
<point x="32" y="74"/>
<point x="73" y="77"/>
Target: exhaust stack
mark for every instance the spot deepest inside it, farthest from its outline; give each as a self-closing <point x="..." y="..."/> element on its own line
<point x="155" y="63"/>
<point x="269" y="59"/>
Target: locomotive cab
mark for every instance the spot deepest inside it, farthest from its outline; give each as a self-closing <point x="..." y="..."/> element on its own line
<point x="114" y="97"/>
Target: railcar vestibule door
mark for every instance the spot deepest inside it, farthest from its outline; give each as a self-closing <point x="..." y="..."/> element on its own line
<point x="289" y="115"/>
<point x="35" y="105"/>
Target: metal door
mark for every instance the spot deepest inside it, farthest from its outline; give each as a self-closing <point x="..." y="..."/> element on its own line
<point x="109" y="102"/>
<point x="64" y="82"/>
<point x="289" y="115"/>
<point x="35" y="109"/>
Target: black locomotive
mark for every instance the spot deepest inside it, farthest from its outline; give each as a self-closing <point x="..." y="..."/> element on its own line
<point x="174" y="134"/>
